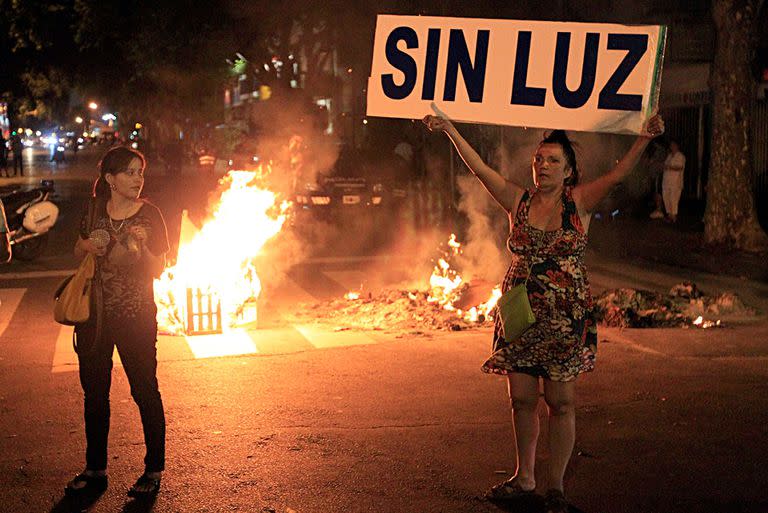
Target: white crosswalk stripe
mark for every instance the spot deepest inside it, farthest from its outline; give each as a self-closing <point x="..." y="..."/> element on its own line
<point x="235" y="342"/>
<point x="10" y="299"/>
<point x="292" y="339"/>
<point x="323" y="339"/>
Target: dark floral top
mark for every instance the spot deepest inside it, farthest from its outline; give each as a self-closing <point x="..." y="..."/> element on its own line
<point x="562" y="342"/>
<point x="125" y="274"/>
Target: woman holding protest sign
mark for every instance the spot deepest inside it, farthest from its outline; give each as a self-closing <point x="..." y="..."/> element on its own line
<point x="548" y="237"/>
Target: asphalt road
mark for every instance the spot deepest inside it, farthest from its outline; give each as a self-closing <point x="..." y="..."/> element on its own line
<point x="305" y="420"/>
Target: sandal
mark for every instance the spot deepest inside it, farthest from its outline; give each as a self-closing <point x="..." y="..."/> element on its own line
<point x="93" y="485"/>
<point x="554" y="501"/>
<point x="141" y="482"/>
<point x="509" y="489"/>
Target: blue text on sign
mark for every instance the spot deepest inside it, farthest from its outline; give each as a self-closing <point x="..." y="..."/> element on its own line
<point x="473" y="70"/>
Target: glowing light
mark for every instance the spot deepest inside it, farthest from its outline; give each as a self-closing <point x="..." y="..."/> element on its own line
<point x="245" y="218"/>
<point x="446" y="286"/>
<point x="701" y="323"/>
<point x="321" y="200"/>
<point x="93" y="105"/>
<point x="78" y="120"/>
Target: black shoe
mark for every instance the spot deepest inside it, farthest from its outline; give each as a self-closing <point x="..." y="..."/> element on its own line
<point x="142" y="482"/>
<point x="94" y="485"/>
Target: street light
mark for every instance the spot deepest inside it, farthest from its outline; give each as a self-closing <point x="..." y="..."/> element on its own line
<point x="93" y="105"/>
<point x="78" y="120"/>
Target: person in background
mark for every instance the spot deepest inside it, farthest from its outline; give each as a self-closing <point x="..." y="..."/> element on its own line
<point x="547" y="240"/>
<point x="129" y="238"/>
<point x="17" y="147"/>
<point x="3" y="155"/>
<point x="672" y="181"/>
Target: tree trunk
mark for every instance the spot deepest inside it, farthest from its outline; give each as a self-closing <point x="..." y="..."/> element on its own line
<point x="731" y="218"/>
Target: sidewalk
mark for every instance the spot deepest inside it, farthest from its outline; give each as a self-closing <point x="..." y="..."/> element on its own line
<point x="648" y="241"/>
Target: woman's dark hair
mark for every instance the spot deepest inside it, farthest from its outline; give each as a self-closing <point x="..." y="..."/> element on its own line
<point x="113" y="162"/>
<point x="560" y="137"/>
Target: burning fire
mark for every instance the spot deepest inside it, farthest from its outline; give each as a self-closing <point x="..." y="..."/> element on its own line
<point x="701" y="323"/>
<point x="445" y="282"/>
<point x="215" y="268"/>
<point x="446" y="287"/>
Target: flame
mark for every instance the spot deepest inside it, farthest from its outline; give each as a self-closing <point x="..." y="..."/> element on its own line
<point x="701" y="323"/>
<point x="219" y="259"/>
<point x="445" y="287"/>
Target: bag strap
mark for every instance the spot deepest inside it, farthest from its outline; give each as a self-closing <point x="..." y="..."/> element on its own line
<point x="97" y="298"/>
<point x="91" y="219"/>
<point x="543" y="232"/>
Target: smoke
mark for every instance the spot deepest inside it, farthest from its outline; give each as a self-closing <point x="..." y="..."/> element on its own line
<point x="483" y="258"/>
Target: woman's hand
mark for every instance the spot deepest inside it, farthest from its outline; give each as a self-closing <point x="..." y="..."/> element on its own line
<point x="88" y="246"/>
<point x="654" y="127"/>
<point x="139" y="233"/>
<point x="437" y="123"/>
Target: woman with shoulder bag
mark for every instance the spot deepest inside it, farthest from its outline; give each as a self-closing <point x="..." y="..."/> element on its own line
<point x="548" y="237"/>
<point x="128" y="236"/>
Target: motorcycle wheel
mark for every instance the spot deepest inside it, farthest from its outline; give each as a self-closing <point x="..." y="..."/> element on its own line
<point x="30" y="249"/>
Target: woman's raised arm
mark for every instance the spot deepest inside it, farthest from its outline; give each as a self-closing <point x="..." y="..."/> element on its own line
<point x="506" y="193"/>
<point x="588" y="196"/>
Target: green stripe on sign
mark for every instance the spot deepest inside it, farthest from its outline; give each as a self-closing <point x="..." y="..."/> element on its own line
<point x="658" y="64"/>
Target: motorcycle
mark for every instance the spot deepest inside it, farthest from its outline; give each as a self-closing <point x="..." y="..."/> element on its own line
<point x="26" y="218"/>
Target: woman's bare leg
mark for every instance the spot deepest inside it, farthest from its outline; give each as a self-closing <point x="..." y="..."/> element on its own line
<point x="524" y="395"/>
<point x="560" y="398"/>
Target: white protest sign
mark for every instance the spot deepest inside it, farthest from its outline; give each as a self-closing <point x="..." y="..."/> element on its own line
<point x="594" y="77"/>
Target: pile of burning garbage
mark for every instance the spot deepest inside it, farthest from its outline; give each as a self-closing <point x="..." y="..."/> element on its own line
<point x="449" y="303"/>
<point x="388" y="310"/>
<point x="685" y="305"/>
<point x="416" y="310"/>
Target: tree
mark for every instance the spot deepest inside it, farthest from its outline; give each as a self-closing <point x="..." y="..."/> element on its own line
<point x="157" y="62"/>
<point x="38" y="58"/>
<point x="731" y="217"/>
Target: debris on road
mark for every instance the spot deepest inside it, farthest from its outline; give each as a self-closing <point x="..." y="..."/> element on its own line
<point x="684" y="306"/>
<point x="390" y="310"/>
<point x="412" y="311"/>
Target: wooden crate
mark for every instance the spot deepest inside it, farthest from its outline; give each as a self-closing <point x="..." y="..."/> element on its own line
<point x="203" y="312"/>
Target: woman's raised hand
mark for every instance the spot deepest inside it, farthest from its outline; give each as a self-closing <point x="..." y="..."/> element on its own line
<point x="437" y="123"/>
<point x="654" y="127"/>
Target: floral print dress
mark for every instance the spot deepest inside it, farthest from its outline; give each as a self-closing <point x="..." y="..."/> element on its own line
<point x="562" y="343"/>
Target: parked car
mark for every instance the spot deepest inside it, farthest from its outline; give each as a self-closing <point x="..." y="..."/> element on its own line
<point x="356" y="180"/>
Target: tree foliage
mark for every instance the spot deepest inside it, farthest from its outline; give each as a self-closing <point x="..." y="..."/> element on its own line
<point x="136" y="56"/>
